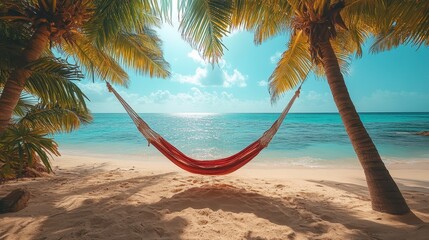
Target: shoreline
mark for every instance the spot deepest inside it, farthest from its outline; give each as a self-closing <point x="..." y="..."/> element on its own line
<point x="343" y="172"/>
<point x="153" y="156"/>
<point x="120" y="198"/>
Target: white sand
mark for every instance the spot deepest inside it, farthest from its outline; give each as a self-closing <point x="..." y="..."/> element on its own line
<point x="101" y="198"/>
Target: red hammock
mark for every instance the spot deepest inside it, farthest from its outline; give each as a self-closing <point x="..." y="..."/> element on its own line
<point x="206" y="167"/>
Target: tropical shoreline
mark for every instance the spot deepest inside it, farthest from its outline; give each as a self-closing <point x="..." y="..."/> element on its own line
<point x="102" y="197"/>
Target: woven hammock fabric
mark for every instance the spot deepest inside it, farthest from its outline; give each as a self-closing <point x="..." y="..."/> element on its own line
<point x="206" y="167"/>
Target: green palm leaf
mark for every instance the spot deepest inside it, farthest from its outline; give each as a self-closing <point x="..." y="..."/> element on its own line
<point x="204" y="23"/>
<point x="54" y="119"/>
<point x="141" y="52"/>
<point x="27" y="145"/>
<point x="293" y="67"/>
<point x="112" y="16"/>
<point x="268" y="18"/>
<point x="53" y="80"/>
<point x="25" y="102"/>
<point x="95" y="60"/>
<point x="407" y="23"/>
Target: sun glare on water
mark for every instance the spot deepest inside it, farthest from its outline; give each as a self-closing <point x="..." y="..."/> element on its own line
<point x="194" y="115"/>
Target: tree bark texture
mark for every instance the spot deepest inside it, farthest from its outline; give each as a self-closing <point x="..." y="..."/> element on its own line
<point x="384" y="193"/>
<point x="15" y="84"/>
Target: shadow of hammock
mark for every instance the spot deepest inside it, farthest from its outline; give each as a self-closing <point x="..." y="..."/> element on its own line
<point x="227" y="198"/>
<point x="158" y="219"/>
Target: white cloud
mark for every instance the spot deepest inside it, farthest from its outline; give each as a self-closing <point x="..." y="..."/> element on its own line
<point x="160" y="96"/>
<point x="197" y="99"/>
<point x="96" y="91"/>
<point x="194" y="55"/>
<point x="195" y="79"/>
<point x="236" y="78"/>
<point x="263" y="83"/>
<point x="93" y="87"/>
<point x="276" y="57"/>
<point x="206" y="75"/>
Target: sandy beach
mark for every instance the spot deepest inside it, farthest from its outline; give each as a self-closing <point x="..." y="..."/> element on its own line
<point x="102" y="198"/>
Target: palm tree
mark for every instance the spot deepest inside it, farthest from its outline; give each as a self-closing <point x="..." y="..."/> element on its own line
<point x="21" y="150"/>
<point x="26" y="144"/>
<point x="324" y="34"/>
<point x="101" y="36"/>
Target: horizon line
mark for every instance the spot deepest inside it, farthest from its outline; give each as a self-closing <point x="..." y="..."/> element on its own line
<point x="255" y="112"/>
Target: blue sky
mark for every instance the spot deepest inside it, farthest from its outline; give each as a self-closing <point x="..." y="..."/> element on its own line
<point x="394" y="81"/>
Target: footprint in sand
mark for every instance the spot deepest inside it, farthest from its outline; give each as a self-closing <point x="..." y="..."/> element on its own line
<point x="202" y="222"/>
<point x="204" y="212"/>
<point x="124" y="185"/>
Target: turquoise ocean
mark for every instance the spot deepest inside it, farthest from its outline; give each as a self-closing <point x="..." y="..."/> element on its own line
<point x="308" y="139"/>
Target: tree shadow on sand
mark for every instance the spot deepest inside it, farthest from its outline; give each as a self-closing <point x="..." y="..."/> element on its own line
<point x="93" y="218"/>
<point x="417" y="197"/>
<point x="303" y="214"/>
<point x="121" y="216"/>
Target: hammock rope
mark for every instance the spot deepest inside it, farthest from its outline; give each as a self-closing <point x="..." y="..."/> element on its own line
<point x="206" y="167"/>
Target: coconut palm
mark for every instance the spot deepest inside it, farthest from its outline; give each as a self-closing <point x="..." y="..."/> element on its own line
<point x="25" y="144"/>
<point x="51" y="83"/>
<point x="324" y="34"/>
<point x="101" y="36"/>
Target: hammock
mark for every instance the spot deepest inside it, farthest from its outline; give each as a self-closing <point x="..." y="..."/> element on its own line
<point x="205" y="167"/>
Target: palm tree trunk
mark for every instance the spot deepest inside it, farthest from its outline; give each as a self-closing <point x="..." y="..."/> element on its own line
<point x="384" y="193"/>
<point x="16" y="82"/>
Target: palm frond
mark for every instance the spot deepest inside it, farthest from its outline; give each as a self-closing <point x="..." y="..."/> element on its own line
<point x="26" y="145"/>
<point x="54" y="119"/>
<point x="94" y="60"/>
<point x="293" y="67"/>
<point x="52" y="80"/>
<point x="387" y="40"/>
<point x="111" y="17"/>
<point x="357" y="36"/>
<point x="165" y="10"/>
<point x="407" y="22"/>
<point x="141" y="52"/>
<point x="268" y="18"/>
<point x="26" y="101"/>
<point x="204" y="23"/>
<point x="369" y="11"/>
